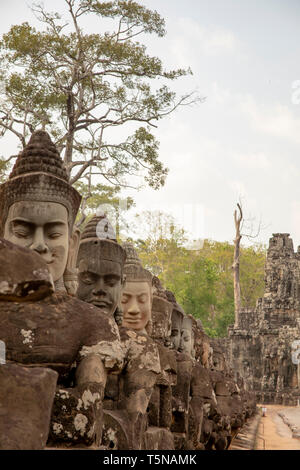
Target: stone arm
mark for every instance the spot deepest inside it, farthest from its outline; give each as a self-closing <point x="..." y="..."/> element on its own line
<point x="141" y="370"/>
<point x="77" y="412"/>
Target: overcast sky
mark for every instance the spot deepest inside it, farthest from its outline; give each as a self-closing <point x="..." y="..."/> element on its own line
<point x="244" y="140"/>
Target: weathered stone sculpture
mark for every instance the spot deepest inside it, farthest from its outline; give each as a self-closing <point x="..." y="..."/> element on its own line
<point x="22" y="277"/>
<point x="70" y="372"/>
<point x="101" y="265"/>
<point x="180" y="391"/>
<point x="61" y="333"/>
<point x="261" y="345"/>
<point x="142" y="369"/>
<point x="26" y="398"/>
<point x="38" y="208"/>
<point x="161" y="314"/>
<point x="137" y="294"/>
<point x="208" y="385"/>
<point x="160" y="405"/>
<point x="26" y="394"/>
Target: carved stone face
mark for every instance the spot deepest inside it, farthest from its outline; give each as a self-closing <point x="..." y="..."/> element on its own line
<point x="101" y="285"/>
<point x="42" y="227"/>
<point x="136" y="304"/>
<point x="176" y="329"/>
<point x="186" y="341"/>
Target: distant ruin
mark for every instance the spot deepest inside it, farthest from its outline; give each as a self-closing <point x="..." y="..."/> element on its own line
<point x="263" y="347"/>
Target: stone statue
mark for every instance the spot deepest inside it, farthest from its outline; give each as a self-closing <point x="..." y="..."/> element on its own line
<point x="26" y="394"/>
<point x="38" y="207"/>
<point x="137" y="294"/>
<point x="58" y="332"/>
<point x="100" y="264"/>
<point x="160" y="405"/>
<point x="180" y="391"/>
<point x="101" y="278"/>
<point x="186" y="344"/>
<point x="143" y="365"/>
<point x="37" y="210"/>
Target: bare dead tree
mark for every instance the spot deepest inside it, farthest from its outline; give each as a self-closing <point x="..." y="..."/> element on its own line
<point x="240" y="224"/>
<point x="238" y="217"/>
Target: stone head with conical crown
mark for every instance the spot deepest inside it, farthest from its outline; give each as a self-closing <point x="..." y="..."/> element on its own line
<point x="38" y="206"/>
<point x="100" y="264"/>
<point x="137" y="293"/>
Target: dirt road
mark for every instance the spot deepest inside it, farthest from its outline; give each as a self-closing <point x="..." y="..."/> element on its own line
<point x="274" y="434"/>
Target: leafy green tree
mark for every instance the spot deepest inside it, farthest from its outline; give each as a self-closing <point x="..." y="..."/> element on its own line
<point x="4" y="167"/>
<point x="199" y="297"/>
<point x="80" y="86"/>
<point x="252" y="274"/>
<point x="162" y="251"/>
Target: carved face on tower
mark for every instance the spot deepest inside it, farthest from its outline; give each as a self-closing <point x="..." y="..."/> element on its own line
<point x="38" y="206"/>
<point x="100" y="264"/>
<point x="137" y="294"/>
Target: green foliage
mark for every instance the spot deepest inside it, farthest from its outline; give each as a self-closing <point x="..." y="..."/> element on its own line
<point x="252" y="274"/>
<point x="4" y="167"/>
<point x="77" y="85"/>
<point x="201" y="280"/>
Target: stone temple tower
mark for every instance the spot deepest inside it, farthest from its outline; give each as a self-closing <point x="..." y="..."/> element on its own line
<point x="282" y="272"/>
<point x="261" y="346"/>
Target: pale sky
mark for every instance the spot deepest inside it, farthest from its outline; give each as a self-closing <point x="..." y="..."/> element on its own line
<point x="243" y="141"/>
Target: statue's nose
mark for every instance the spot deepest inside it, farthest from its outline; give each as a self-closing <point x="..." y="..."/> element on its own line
<point x="99" y="288"/>
<point x="39" y="244"/>
<point x="133" y="308"/>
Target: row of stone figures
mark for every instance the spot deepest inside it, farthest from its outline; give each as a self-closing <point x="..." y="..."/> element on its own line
<point x="98" y="353"/>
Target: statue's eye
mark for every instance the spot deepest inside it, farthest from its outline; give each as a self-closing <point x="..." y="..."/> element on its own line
<point x="86" y="278"/>
<point x="111" y="281"/>
<point x="20" y="233"/>
<point x="55" y="235"/>
<point x="21" y="230"/>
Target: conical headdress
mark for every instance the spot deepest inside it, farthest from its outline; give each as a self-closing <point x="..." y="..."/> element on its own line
<point x="97" y="233"/>
<point x="39" y="175"/>
<point x="133" y="267"/>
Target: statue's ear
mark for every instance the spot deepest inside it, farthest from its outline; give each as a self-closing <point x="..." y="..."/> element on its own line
<point x="73" y="249"/>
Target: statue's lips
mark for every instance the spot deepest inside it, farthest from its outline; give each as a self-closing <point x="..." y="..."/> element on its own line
<point x="100" y="303"/>
<point x="132" y="320"/>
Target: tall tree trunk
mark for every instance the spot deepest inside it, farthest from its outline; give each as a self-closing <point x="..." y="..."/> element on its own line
<point x="236" y="265"/>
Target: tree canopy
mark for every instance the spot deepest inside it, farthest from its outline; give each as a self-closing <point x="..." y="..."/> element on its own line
<point x="79" y="86"/>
